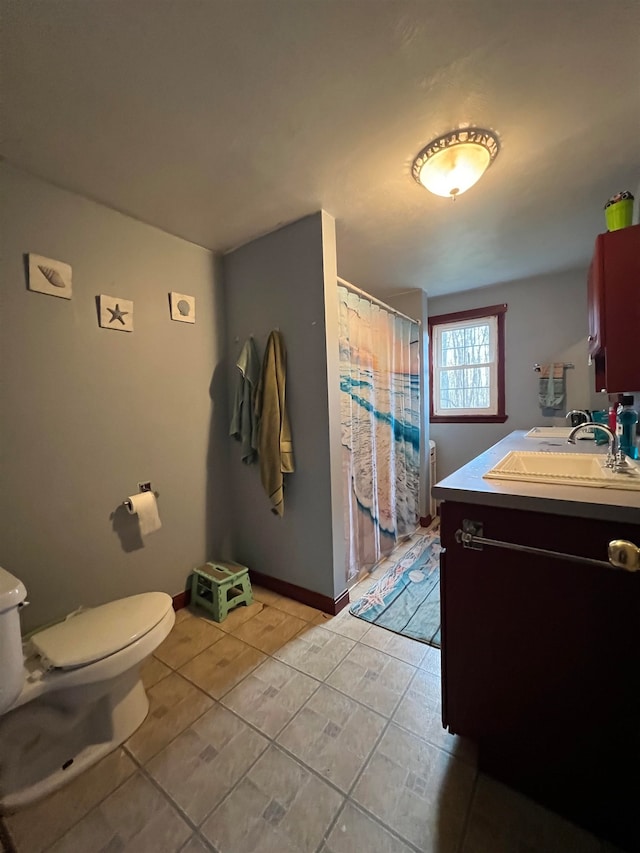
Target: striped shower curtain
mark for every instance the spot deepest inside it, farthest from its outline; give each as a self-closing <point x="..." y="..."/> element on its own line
<point x="380" y="410"/>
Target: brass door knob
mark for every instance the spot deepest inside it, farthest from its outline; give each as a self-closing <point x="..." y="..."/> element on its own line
<point x="624" y="555"/>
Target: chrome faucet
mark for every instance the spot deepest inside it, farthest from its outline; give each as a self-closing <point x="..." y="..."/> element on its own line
<point x="616" y="459"/>
<point x="585" y="414"/>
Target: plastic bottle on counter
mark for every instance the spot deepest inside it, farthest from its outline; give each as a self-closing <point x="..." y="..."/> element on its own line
<point x="600" y="416"/>
<point x="626" y="426"/>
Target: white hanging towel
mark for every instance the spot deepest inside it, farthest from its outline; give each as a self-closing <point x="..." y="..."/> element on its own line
<point x="551" y="389"/>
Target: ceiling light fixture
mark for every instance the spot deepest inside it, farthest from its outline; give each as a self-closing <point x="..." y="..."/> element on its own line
<point x="451" y="164"/>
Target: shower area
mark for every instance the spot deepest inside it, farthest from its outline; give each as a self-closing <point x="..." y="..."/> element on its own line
<point x="380" y="419"/>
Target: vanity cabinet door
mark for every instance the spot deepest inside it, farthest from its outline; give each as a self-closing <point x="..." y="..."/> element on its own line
<point x="541" y="662"/>
<point x="535" y="643"/>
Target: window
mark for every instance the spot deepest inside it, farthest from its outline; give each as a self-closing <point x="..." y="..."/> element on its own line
<point x="467" y="366"/>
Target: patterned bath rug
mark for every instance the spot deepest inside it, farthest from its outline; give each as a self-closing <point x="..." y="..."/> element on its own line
<point x="406" y="599"/>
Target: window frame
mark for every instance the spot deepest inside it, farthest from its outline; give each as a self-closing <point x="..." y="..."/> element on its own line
<point x="497" y="311"/>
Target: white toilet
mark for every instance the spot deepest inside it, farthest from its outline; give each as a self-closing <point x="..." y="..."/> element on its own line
<point x="72" y="692"/>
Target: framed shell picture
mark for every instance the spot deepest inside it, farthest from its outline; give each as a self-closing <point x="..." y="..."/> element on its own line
<point x="183" y="307"/>
<point x="49" y="276"/>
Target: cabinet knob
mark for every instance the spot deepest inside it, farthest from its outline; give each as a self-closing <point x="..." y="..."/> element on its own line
<point x="624" y="555"/>
<point x="590" y="338"/>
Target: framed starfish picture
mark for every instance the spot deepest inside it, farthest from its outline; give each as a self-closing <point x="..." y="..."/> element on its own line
<point x="116" y="313"/>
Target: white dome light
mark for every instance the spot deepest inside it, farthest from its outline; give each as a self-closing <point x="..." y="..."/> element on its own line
<point x="451" y="164"/>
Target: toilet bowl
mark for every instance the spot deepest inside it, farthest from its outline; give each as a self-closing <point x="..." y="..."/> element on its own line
<point x="72" y="693"/>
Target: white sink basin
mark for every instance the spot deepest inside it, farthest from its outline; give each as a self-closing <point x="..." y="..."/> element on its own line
<point x="556" y="432"/>
<point x="570" y="469"/>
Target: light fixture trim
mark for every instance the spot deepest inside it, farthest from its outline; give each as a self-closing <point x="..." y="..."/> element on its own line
<point x="462" y="136"/>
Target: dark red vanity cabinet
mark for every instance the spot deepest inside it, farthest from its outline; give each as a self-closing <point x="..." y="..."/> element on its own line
<point x="541" y="663"/>
<point x="614" y="310"/>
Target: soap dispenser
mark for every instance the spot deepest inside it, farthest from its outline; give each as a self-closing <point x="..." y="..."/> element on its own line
<point x="626" y="426"/>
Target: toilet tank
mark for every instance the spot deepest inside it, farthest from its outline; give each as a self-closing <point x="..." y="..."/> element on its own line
<point x="12" y="594"/>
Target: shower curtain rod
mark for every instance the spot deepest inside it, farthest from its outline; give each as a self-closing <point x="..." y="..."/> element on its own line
<point x="377" y="301"/>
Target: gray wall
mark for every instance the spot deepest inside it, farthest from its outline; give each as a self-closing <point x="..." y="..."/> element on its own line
<point x="546" y="321"/>
<point x="413" y="303"/>
<point x="287" y="280"/>
<point x="88" y="412"/>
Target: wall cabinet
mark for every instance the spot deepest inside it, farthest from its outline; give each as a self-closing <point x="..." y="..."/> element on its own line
<point x="614" y="310"/>
<point x="541" y="662"/>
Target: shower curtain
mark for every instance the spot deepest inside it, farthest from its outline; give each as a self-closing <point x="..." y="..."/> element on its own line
<point x="380" y="410"/>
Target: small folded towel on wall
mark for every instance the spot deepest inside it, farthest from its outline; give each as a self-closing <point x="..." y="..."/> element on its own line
<point x="244" y="419"/>
<point x="275" y="446"/>
<point x="552" y="386"/>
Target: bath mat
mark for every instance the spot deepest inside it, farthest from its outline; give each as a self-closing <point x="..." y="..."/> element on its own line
<point x="406" y="599"/>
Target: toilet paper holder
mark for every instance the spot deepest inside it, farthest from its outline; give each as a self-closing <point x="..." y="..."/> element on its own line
<point x="142" y="487"/>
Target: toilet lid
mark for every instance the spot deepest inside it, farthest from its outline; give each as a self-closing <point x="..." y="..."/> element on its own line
<point x="90" y="635"/>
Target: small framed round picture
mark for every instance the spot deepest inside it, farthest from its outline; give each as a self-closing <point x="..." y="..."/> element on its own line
<point x="183" y="307"/>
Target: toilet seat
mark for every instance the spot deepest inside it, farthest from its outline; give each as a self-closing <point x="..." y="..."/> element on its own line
<point x="87" y="636"/>
<point x="82" y="694"/>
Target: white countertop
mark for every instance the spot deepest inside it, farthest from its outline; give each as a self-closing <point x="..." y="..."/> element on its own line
<point x="466" y="485"/>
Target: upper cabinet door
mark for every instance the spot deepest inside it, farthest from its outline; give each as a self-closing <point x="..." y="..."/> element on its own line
<point x="614" y="310"/>
<point x="596" y="300"/>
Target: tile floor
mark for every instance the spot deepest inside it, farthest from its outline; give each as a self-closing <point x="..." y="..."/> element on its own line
<point x="284" y="730"/>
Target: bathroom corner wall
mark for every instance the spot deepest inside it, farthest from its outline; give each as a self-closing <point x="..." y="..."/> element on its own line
<point x="287" y="280"/>
<point x="88" y="412"/>
<point x="546" y="321"/>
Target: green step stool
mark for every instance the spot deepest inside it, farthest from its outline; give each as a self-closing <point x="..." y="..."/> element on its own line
<point x="221" y="586"/>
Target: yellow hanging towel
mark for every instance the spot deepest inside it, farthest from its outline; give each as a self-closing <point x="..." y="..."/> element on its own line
<point x="275" y="447"/>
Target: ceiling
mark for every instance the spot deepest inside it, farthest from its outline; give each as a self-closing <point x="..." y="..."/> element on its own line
<point x="219" y="120"/>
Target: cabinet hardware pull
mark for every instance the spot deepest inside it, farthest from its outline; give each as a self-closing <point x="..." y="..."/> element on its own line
<point x="622" y="554"/>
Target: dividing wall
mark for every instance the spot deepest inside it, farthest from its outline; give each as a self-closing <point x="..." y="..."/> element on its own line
<point x="287" y="280"/>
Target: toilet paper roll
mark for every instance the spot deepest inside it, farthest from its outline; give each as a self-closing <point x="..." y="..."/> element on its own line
<point x="145" y="507"/>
